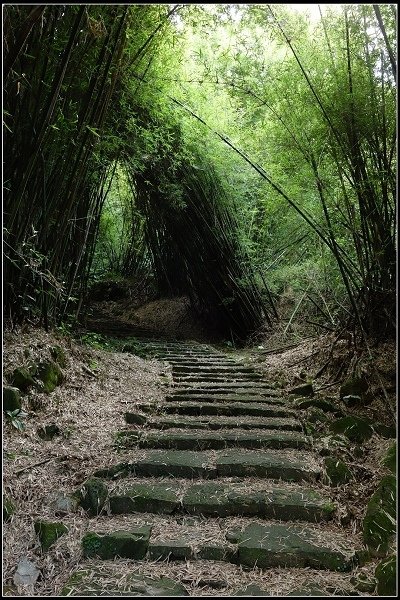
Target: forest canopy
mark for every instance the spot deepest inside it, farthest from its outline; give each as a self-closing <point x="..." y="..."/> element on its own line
<point x="227" y="152"/>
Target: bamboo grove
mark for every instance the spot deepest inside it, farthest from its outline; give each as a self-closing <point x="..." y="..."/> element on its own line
<point x="93" y="91"/>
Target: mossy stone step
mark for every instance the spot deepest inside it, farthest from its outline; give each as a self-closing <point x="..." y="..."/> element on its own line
<point x="293" y="466"/>
<point x="287" y="465"/>
<point x="264" y="545"/>
<point x="246" y="387"/>
<point x="203" y="361"/>
<point x="147" y="497"/>
<point x="222" y="500"/>
<point x="200" y="440"/>
<point x="276" y="545"/>
<point x="215" y="377"/>
<point x="109" y="582"/>
<point x="223" y="409"/>
<point x="125" y="544"/>
<point x="188" y="422"/>
<point x="205" y="397"/>
<point x="161" y="463"/>
<point x="211" y="368"/>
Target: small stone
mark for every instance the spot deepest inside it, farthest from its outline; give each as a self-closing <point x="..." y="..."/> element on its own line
<point x="50" y="375"/>
<point x="386" y="573"/>
<point x="351" y="401"/>
<point x="336" y="471"/>
<point x="11" y="399"/>
<point x="22" y="379"/>
<point x="64" y="503"/>
<point x="355" y="386"/>
<point x="26" y="573"/>
<point x="354" y="428"/>
<point x="302" y="390"/>
<point x="325" y="405"/>
<point x="135" y="418"/>
<point x="49" y="533"/>
<point x="93" y="495"/>
<point x="48" y="431"/>
<point x="8" y="509"/>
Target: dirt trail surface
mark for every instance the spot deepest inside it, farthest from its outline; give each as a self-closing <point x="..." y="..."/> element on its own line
<point x="192" y="471"/>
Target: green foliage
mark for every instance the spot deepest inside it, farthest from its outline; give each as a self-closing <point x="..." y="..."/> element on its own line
<point x="15" y="417"/>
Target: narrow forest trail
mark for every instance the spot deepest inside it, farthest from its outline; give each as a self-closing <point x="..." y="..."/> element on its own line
<point x="220" y="479"/>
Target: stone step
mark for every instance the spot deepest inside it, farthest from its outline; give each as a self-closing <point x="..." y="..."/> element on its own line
<point x="204" y="397"/>
<point x="217" y="422"/>
<point x="217" y="378"/>
<point x="225" y="387"/>
<point x="286" y="465"/>
<point x="198" y="578"/>
<point x="255" y="409"/>
<point x="222" y="499"/>
<point x="261" y="544"/>
<point x="98" y="580"/>
<point x="212" y="440"/>
<point x="211" y="368"/>
<point x="204" y="360"/>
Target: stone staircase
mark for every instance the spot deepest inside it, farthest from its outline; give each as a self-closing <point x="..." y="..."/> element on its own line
<point x="219" y="473"/>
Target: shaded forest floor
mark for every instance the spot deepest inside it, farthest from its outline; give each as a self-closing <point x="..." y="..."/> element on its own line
<point x="100" y="385"/>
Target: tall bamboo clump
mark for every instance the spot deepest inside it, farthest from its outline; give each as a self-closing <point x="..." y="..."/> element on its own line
<point x="61" y="65"/>
<point x="196" y="250"/>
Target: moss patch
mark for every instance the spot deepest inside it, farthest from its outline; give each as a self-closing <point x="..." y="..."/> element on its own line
<point x="390" y="459"/>
<point x="126" y="544"/>
<point x="11" y="399"/>
<point x="22" y="379"/>
<point x="379" y="524"/>
<point x="337" y="472"/>
<point x="354" y="428"/>
<point x="49" y="532"/>
<point x="50" y="375"/>
<point x="386" y="575"/>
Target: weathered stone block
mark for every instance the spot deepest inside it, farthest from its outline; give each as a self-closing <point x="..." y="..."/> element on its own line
<point x="125" y="544"/>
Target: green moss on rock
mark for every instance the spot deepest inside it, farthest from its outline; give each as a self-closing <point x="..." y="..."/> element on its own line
<point x="50" y="375"/>
<point x="390" y="459"/>
<point x="386" y="575"/>
<point x="93" y="495"/>
<point x="354" y="428"/>
<point x="22" y="379"/>
<point x="337" y="472"/>
<point x="59" y="356"/>
<point x="49" y="532"/>
<point x="125" y="544"/>
<point x="11" y="399"/>
<point x="379" y="523"/>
